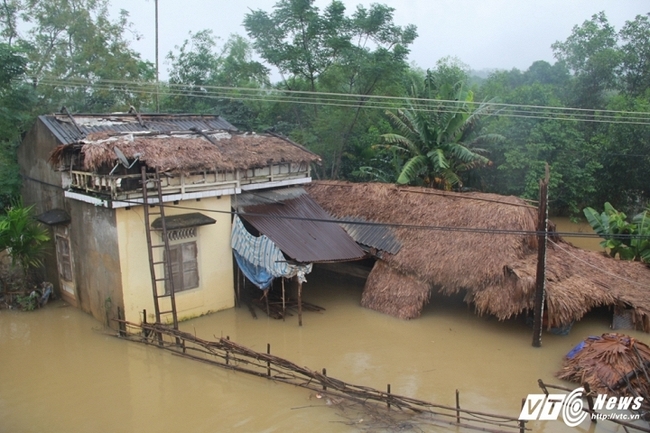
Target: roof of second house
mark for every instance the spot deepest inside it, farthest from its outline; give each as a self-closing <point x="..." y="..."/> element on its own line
<point x="303" y="230"/>
<point x="483" y="245"/>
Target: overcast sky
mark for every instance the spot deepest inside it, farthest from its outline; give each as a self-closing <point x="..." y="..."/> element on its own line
<point x="485" y="34"/>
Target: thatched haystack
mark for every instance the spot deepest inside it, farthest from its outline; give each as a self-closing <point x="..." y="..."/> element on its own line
<point x="185" y="152"/>
<point x="394" y="293"/>
<point x="495" y="271"/>
<point x="613" y="364"/>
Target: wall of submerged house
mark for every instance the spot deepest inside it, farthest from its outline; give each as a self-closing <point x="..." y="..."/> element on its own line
<point x="42" y="188"/>
<point x="210" y="289"/>
<point x="96" y="261"/>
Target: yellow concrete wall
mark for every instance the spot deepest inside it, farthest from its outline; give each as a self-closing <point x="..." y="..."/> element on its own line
<point x="215" y="291"/>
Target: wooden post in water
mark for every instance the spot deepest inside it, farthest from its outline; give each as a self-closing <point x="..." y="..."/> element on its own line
<point x="457" y="407"/>
<point x="388" y="395"/>
<point x="590" y="402"/>
<point x="325" y="374"/>
<point x="299" y="302"/>
<point x="522" y="423"/>
<point x="284" y="309"/>
<point x="121" y="326"/>
<point x="542" y="236"/>
<point x="238" y="289"/>
<point x="268" y="363"/>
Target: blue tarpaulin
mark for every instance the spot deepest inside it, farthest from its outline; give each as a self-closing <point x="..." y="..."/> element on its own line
<point x="260" y="259"/>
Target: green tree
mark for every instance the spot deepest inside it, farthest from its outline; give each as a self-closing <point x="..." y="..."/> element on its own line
<point x="439" y="133"/>
<point x="16" y="104"/>
<point x="592" y="55"/>
<point x="9" y="10"/>
<point x="624" y="153"/>
<point x="359" y="55"/>
<point x="635" y="54"/>
<point x="534" y="137"/>
<point x="200" y="72"/>
<point x="627" y="240"/>
<point x="80" y="58"/>
<point x="22" y="237"/>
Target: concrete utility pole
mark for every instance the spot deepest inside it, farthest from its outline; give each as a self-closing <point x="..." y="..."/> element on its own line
<point x="542" y="237"/>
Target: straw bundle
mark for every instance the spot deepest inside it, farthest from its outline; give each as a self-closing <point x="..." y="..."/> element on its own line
<point x="613" y="363"/>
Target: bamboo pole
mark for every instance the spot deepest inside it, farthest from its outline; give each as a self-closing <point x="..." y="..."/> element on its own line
<point x="590" y="401"/>
<point x="284" y="308"/>
<point x="299" y="303"/>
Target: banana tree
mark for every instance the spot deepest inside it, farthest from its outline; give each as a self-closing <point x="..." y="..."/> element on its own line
<point x="627" y="240"/>
<point x="437" y="136"/>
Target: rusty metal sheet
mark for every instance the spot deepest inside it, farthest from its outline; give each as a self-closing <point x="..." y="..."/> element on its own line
<point x="303" y="230"/>
<point x="65" y="131"/>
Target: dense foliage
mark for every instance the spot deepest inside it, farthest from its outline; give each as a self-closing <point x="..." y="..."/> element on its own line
<point x="22" y="237"/>
<point x="347" y="92"/>
<point x="628" y="240"/>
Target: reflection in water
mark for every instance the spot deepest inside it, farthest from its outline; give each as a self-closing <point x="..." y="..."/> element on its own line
<point x="61" y="373"/>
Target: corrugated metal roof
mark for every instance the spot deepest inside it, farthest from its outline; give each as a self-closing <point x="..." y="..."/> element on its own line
<point x="375" y="236"/>
<point x="66" y="132"/>
<point x="297" y="225"/>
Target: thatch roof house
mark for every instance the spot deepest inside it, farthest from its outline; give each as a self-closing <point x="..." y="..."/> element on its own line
<point x="87" y="176"/>
<point x="184" y="152"/>
<point x="480" y="245"/>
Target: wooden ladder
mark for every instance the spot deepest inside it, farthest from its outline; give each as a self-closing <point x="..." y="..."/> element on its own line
<point x="160" y="268"/>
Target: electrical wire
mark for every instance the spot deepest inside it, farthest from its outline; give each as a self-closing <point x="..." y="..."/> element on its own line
<point x="352" y="101"/>
<point x="326" y="99"/>
<point x="599" y="268"/>
<point x="473" y="230"/>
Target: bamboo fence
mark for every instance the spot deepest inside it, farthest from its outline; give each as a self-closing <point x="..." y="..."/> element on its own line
<point x="367" y="408"/>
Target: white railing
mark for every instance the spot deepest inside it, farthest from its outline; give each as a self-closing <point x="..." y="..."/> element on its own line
<point x="119" y="187"/>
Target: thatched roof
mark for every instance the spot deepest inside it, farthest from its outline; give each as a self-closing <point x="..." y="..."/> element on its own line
<point x="613" y="364"/>
<point x="495" y="271"/>
<point x="186" y="152"/>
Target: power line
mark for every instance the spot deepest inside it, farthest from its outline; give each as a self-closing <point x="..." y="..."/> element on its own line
<point x="451" y="229"/>
<point x="366" y="101"/>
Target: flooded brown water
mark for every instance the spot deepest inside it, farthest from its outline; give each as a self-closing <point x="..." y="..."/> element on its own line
<point x="565" y="225"/>
<point x="60" y="373"/>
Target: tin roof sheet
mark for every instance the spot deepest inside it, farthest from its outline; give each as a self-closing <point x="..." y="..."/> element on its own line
<point x="372" y="235"/>
<point x="66" y="132"/>
<point x="303" y="230"/>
